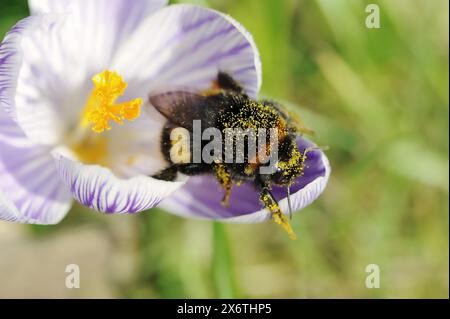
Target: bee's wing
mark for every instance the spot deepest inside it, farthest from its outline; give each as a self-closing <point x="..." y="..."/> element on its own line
<point x="180" y="107"/>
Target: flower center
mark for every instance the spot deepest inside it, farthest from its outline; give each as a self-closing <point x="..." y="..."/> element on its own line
<point x="101" y="108"/>
<point x="92" y="149"/>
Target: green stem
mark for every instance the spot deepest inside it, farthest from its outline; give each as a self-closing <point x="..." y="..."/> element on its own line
<point x="222" y="265"/>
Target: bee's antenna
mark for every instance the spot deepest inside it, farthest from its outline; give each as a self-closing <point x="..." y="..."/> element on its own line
<point x="289" y="201"/>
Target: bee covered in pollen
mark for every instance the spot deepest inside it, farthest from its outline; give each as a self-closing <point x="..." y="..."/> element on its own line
<point x="252" y="141"/>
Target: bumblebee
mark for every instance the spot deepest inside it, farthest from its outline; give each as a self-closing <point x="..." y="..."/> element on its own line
<point x="225" y="107"/>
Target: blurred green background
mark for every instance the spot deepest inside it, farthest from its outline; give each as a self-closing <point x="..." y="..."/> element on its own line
<point x="377" y="97"/>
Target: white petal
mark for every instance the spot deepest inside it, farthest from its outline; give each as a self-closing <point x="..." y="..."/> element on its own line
<point x="138" y="8"/>
<point x="56" y="56"/>
<point x="185" y="45"/>
<point x="97" y="187"/>
<point x="101" y="25"/>
<point x="30" y="183"/>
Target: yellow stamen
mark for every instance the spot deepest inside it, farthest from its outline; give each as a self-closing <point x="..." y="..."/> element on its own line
<point x="101" y="107"/>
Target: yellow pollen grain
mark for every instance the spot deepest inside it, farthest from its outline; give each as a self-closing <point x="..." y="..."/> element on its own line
<point x="101" y="108"/>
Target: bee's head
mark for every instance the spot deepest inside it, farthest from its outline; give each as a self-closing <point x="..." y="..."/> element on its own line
<point x="290" y="164"/>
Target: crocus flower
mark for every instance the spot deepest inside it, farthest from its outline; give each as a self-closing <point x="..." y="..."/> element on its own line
<point x="74" y="118"/>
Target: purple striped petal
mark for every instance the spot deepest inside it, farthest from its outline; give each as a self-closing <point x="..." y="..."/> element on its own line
<point x="185" y="45"/>
<point x="30" y="189"/>
<point x="27" y="77"/>
<point x="201" y="195"/>
<point x="97" y="187"/>
<point x="30" y="182"/>
<point x="11" y="59"/>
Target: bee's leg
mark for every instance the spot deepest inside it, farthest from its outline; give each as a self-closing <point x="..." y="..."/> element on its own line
<point x="271" y="204"/>
<point x="224" y="179"/>
<point x="226" y="82"/>
<point x="169" y="174"/>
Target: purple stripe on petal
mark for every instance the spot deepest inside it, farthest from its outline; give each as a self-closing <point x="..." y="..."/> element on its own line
<point x="214" y="60"/>
<point x="202" y="44"/>
<point x="244" y="70"/>
<point x="186" y="29"/>
<point x="113" y="206"/>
